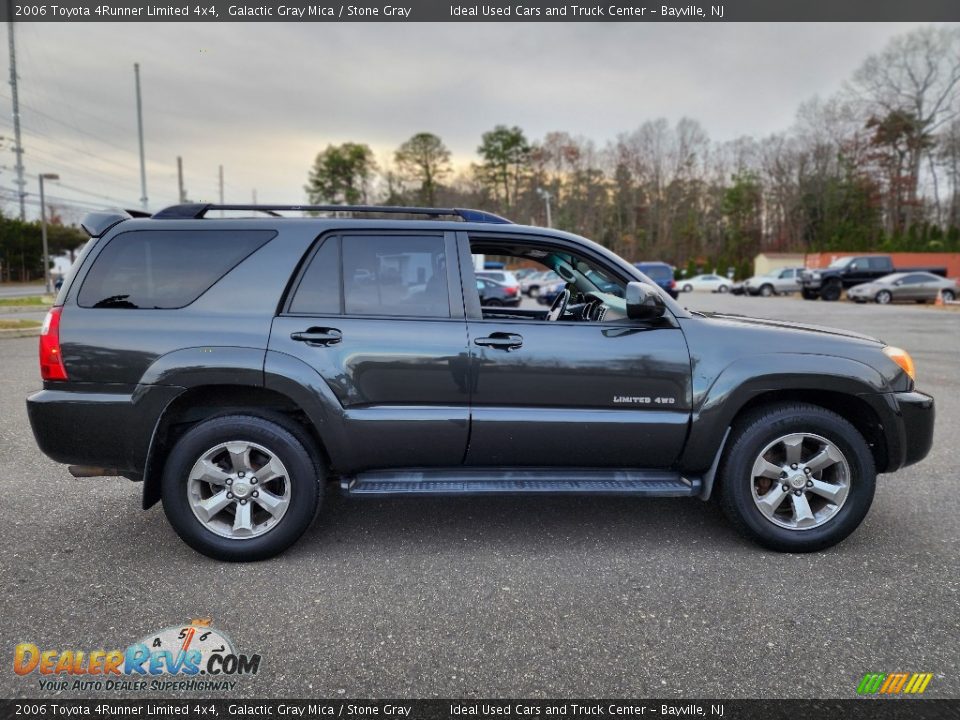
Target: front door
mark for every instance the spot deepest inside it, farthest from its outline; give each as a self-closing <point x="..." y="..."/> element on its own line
<point x="576" y="393"/>
<point x="374" y="315"/>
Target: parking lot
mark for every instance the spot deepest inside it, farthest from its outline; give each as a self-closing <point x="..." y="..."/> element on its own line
<point x="511" y="597"/>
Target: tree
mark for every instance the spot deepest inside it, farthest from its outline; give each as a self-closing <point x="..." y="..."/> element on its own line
<point x="506" y="158"/>
<point x="917" y="75"/>
<point x="424" y="159"/>
<point x="341" y="174"/>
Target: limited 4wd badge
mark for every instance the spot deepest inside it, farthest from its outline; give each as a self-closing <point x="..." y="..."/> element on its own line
<point x="180" y="651"/>
<point x="643" y="400"/>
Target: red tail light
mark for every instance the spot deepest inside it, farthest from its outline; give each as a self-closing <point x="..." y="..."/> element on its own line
<point x="51" y="362"/>
<point x="511" y="291"/>
<point x="673" y="284"/>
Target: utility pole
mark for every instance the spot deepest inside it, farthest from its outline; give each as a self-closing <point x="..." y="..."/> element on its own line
<point x="15" y="98"/>
<point x="43" y="230"/>
<point x="143" y="163"/>
<point x="182" y="195"/>
<point x="546" y="199"/>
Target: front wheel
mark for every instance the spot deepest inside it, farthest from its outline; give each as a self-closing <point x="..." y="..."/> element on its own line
<point x="884" y="297"/>
<point x="796" y="478"/>
<point x="240" y="488"/>
<point x="688" y="288"/>
<point x="766" y="290"/>
<point x="809" y="294"/>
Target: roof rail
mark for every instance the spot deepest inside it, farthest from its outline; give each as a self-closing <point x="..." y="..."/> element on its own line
<point x="196" y="211"/>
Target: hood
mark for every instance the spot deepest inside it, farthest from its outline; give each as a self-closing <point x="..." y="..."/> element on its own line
<point x="759" y="323"/>
<point x="868" y="287"/>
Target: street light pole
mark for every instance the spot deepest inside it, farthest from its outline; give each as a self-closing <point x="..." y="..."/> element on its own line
<point x="43" y="230"/>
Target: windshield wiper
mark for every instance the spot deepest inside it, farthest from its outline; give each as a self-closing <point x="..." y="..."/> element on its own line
<point x="116" y="301"/>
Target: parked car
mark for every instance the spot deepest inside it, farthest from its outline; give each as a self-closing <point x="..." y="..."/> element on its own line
<point x="780" y="281"/>
<point x="236" y="366"/>
<point x="712" y="283"/>
<point x="904" y="287"/>
<point x="549" y="293"/>
<point x="493" y="293"/>
<point x="501" y="276"/>
<point x="532" y="284"/>
<point x="843" y="273"/>
<point x="662" y="274"/>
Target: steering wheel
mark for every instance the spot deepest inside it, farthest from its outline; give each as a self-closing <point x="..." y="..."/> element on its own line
<point x="558" y="305"/>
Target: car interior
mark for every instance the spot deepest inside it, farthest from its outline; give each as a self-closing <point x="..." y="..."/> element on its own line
<point x="590" y="293"/>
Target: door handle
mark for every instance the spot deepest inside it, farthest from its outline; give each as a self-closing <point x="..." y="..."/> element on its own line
<point x="500" y="341"/>
<point x="318" y="336"/>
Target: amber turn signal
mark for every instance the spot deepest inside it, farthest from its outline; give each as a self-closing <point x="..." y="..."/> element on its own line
<point x="902" y="358"/>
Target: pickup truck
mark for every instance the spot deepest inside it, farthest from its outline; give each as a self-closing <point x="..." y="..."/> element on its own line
<point x="843" y="273"/>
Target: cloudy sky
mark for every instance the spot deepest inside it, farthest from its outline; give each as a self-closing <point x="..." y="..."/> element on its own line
<point x="262" y="99"/>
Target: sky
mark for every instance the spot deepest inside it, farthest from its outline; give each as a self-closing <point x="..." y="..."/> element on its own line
<point x="263" y="99"/>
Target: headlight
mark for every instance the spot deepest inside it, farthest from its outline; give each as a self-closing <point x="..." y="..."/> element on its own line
<point x="816" y="276"/>
<point x="902" y="358"/>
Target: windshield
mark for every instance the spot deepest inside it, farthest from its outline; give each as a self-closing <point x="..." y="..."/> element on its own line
<point x="841" y="262"/>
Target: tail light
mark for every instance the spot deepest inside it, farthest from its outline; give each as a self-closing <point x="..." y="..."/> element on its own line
<point x="673" y="284"/>
<point x="510" y="291"/>
<point x="51" y="361"/>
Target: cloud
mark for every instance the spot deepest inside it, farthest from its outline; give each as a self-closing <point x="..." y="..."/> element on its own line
<point x="263" y="99"/>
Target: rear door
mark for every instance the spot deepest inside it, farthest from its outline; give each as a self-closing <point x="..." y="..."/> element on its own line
<point x="379" y="316"/>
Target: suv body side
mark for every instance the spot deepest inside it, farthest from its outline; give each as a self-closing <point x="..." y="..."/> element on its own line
<point x="133" y="383"/>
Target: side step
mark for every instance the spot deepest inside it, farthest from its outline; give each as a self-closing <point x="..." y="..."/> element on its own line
<point x="513" y="481"/>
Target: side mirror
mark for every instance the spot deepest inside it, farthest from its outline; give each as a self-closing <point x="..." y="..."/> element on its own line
<point x="643" y="302"/>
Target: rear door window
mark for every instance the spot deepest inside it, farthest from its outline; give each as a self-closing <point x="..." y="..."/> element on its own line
<point x="402" y="275"/>
<point x="165" y="269"/>
<point x="319" y="290"/>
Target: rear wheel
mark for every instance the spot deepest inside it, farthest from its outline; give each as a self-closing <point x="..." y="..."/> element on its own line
<point x="948" y="295"/>
<point x="534" y="292"/>
<point x="688" y="288"/>
<point x="240" y="488"/>
<point x="723" y="289"/>
<point x="796" y="478"/>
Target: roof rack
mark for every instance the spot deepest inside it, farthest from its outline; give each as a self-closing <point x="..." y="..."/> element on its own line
<point x="196" y="211"/>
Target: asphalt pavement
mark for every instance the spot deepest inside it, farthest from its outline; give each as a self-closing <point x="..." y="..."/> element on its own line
<point x="509" y="597"/>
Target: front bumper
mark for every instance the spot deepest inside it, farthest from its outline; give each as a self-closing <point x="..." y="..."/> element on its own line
<point x="916" y="413"/>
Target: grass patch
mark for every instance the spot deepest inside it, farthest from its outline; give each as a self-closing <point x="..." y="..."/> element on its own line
<point x="27" y="300"/>
<point x="18" y="324"/>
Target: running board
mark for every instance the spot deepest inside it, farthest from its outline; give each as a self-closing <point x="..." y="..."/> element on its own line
<point x="512" y="481"/>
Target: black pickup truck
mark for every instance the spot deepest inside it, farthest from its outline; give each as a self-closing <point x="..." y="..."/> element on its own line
<point x="236" y="367"/>
<point x="828" y="283"/>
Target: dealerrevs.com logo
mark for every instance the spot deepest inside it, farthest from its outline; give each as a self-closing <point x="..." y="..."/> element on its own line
<point x="186" y="657"/>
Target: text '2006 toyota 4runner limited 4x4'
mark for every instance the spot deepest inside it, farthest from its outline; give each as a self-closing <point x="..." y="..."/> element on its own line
<point x="235" y="365"/>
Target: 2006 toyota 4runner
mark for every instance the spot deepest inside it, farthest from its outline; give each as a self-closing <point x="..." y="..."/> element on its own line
<point x="235" y="365"/>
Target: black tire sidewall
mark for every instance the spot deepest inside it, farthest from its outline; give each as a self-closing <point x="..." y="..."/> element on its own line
<point x="736" y="478"/>
<point x="304" y="487"/>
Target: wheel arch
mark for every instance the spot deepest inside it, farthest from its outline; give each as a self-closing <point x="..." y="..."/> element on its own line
<point x="204" y="402"/>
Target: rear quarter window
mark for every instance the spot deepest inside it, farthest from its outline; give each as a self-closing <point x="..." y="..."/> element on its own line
<point x="165" y="269"/>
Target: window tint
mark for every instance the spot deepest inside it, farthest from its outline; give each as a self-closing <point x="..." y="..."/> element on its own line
<point x="162" y="269"/>
<point x="398" y="275"/>
<point x="878" y="263"/>
<point x="319" y="290"/>
<point x="914" y="279"/>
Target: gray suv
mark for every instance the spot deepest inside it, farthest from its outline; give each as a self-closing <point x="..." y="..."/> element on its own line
<point x="236" y="367"/>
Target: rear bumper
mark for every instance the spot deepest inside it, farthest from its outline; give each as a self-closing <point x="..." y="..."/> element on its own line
<point x="916" y="415"/>
<point x="97" y="428"/>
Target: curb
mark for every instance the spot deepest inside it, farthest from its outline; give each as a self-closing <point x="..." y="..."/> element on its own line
<point x="20" y="332"/>
<point x="14" y="309"/>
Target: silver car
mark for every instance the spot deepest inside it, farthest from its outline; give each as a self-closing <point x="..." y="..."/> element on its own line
<point x="775" y="282"/>
<point x="904" y="287"/>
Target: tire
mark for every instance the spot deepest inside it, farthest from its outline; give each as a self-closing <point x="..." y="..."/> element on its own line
<point x="723" y="289"/>
<point x="494" y="303"/>
<point x="767" y="290"/>
<point x="762" y="428"/>
<point x="534" y="292"/>
<point x="832" y="292"/>
<point x="688" y="288"/>
<point x="948" y="295"/>
<point x="884" y="297"/>
<point x="809" y="294"/>
<point x="297" y="485"/>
